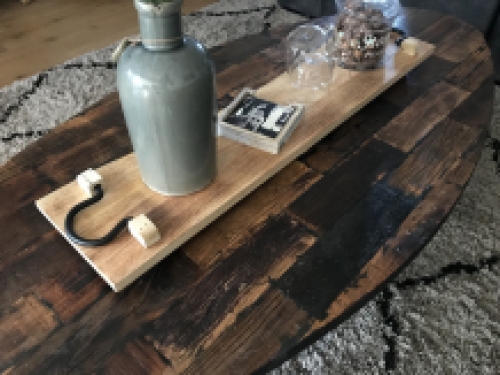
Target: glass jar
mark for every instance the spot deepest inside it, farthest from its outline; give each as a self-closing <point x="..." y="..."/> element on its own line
<point x="362" y="33"/>
<point x="389" y="8"/>
<point x="309" y="56"/>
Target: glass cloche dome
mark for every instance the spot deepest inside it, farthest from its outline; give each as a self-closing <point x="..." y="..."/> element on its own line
<point x="390" y="8"/>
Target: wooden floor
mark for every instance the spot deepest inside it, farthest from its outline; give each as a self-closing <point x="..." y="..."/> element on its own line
<point x="43" y="33"/>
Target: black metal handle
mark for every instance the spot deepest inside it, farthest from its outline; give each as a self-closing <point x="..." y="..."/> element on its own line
<point x="70" y="219"/>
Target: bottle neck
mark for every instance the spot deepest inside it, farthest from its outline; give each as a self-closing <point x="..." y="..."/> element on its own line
<point x="161" y="32"/>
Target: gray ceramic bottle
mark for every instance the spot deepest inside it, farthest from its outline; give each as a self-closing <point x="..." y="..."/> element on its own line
<point x="167" y="91"/>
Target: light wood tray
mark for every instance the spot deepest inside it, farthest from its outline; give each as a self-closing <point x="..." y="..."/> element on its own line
<point x="241" y="169"/>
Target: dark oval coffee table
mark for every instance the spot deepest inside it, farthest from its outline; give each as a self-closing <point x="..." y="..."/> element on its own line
<point x="284" y="266"/>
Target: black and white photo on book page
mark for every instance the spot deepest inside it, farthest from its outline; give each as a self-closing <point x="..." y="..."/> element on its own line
<point x="261" y="116"/>
<point x="259" y="123"/>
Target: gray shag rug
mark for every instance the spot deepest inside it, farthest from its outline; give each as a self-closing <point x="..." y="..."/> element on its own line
<point x="441" y="315"/>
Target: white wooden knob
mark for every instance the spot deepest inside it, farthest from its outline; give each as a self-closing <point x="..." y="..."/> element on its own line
<point x="410" y="46"/>
<point x="88" y="179"/>
<point x="144" y="230"/>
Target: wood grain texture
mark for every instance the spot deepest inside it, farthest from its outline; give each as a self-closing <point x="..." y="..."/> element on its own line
<point x="57" y="30"/>
<point x="228" y="289"/>
<point x="25" y="326"/>
<point x="138" y="358"/>
<point x="476" y="109"/>
<point x="70" y="291"/>
<point x="418" y="119"/>
<point x="241" y="169"/>
<point x="454" y="39"/>
<point x="379" y="212"/>
<point x="268" y="332"/>
<point x="418" y="81"/>
<point x="433" y="157"/>
<point x="473" y="70"/>
<point x="390" y="257"/>
<point x="255" y="286"/>
<point x="320" y="207"/>
<point x="353" y="133"/>
<point x="231" y="230"/>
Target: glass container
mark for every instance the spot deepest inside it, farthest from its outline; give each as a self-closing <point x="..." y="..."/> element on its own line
<point x="362" y="33"/>
<point x="389" y="8"/>
<point x="309" y="56"/>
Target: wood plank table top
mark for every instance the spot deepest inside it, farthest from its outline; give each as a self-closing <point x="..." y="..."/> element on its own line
<point x="240" y="170"/>
<point x="285" y="265"/>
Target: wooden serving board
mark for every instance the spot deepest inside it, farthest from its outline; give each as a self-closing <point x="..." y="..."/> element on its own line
<point x="241" y="169"/>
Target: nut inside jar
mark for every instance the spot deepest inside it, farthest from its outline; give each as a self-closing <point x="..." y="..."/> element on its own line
<point x="362" y="34"/>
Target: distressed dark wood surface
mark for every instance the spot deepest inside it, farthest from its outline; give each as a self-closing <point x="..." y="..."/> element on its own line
<point x="288" y="263"/>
